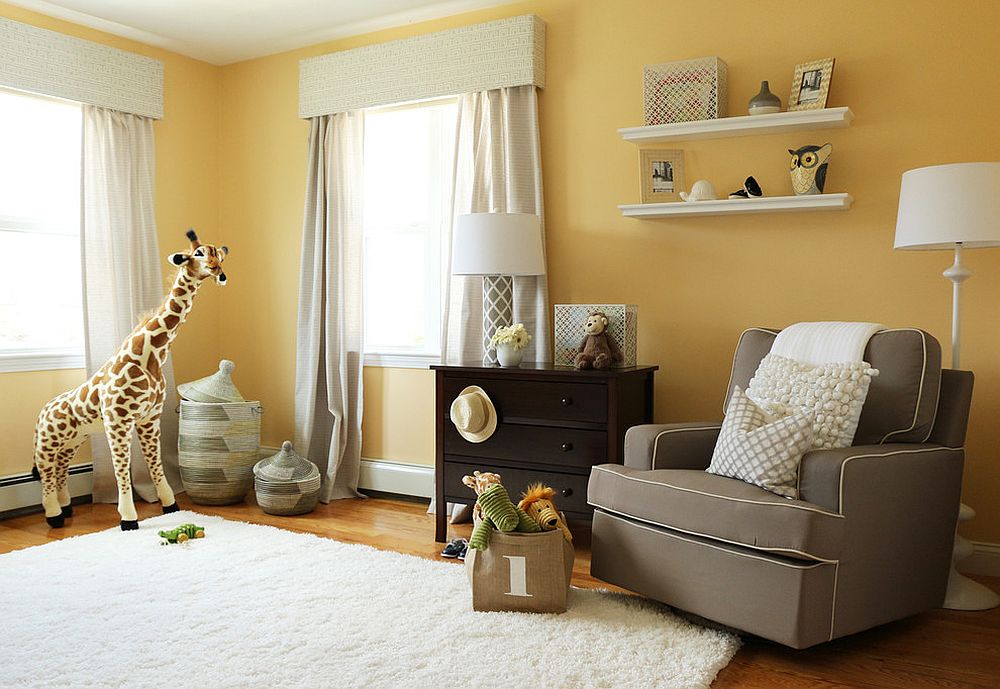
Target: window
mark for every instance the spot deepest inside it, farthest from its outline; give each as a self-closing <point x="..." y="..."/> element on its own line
<point x="408" y="167"/>
<point x="41" y="310"/>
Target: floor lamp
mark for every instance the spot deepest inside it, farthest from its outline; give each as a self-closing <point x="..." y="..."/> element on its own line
<point x="953" y="207"/>
<point x="497" y="246"/>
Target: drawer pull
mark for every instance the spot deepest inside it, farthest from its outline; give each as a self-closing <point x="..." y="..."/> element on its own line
<point x="566" y="401"/>
<point x="566" y="447"/>
<point x="566" y="492"/>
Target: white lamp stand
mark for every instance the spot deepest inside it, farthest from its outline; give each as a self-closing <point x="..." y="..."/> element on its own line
<point x="497" y="246"/>
<point x="953" y="207"/>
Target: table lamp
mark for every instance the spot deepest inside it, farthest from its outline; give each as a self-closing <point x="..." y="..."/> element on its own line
<point x="953" y="207"/>
<point x="497" y="246"/>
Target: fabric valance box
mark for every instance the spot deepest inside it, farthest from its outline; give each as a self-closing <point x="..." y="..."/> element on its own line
<point x="506" y="52"/>
<point x="54" y="64"/>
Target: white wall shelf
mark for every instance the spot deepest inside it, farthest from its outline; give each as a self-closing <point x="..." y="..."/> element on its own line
<point x="767" y="204"/>
<point x="744" y="125"/>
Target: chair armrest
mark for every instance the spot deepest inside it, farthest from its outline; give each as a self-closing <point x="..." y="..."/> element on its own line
<point x="829" y="478"/>
<point x="671" y="445"/>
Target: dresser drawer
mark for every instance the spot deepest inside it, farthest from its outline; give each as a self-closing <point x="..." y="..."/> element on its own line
<point x="571" y="490"/>
<point x="567" y="447"/>
<point x="537" y="400"/>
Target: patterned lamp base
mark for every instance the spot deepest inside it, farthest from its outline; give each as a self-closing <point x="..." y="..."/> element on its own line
<point x="498" y="308"/>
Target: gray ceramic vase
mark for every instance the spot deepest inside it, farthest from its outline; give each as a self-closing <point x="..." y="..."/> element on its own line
<point x="764" y="102"/>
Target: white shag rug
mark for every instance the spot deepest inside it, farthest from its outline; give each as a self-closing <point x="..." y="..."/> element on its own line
<point x="256" y="606"/>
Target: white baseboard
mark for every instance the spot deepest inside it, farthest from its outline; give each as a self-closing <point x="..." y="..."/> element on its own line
<point x="384" y="476"/>
<point x="985" y="560"/>
<point x="394" y="477"/>
<point x="22" y="491"/>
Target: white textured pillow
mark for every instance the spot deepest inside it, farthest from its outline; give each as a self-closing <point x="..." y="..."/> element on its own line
<point x="834" y="393"/>
<point x="764" y="453"/>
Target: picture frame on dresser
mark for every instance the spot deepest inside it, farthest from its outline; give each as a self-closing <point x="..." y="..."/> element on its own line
<point x="554" y="423"/>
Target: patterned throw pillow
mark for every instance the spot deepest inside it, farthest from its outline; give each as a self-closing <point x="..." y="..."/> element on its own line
<point x="762" y="452"/>
<point x="834" y="393"/>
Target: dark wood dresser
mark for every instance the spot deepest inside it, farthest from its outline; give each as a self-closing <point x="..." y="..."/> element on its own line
<point x="554" y="423"/>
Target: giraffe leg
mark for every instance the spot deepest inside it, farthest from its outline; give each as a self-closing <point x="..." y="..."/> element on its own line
<point x="63" y="460"/>
<point x="149" y="440"/>
<point x="46" y="463"/>
<point x="119" y="432"/>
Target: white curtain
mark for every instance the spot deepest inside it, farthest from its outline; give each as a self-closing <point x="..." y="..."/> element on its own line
<point x="329" y="346"/>
<point x="121" y="270"/>
<point x="498" y="168"/>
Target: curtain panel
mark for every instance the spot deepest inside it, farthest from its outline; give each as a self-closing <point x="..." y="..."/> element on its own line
<point x="330" y="339"/>
<point x="121" y="271"/>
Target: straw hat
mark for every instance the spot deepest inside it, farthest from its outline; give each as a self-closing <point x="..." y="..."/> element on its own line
<point x="473" y="414"/>
<point x="217" y="388"/>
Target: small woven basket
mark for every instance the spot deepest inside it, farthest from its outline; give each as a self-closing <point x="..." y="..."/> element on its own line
<point x="286" y="483"/>
<point x="217" y="447"/>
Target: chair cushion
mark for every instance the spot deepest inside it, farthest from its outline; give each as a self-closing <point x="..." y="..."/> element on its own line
<point x="729" y="510"/>
<point x="902" y="400"/>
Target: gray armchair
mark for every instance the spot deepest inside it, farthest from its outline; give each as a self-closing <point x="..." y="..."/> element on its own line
<point x="868" y="540"/>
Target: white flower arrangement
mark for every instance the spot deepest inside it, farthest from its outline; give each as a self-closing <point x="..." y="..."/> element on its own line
<point x="514" y="335"/>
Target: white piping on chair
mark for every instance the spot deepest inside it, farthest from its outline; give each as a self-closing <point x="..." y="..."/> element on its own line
<point x="847" y="460"/>
<point x="920" y="389"/>
<point x="715" y="547"/>
<point x="656" y="440"/>
<point x="721" y="497"/>
<point x="713" y="537"/>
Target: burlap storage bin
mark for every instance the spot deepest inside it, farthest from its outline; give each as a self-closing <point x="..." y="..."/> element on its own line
<point x="521" y="572"/>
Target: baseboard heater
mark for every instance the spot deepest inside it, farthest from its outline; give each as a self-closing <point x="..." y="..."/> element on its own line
<point x="22" y="493"/>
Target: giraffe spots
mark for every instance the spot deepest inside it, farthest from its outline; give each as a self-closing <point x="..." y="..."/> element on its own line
<point x="179" y="292"/>
<point x="153" y="325"/>
<point x="175" y="307"/>
<point x="153" y="367"/>
<point x="119" y="365"/>
<point x="141" y="384"/>
<point x="137" y="344"/>
<point x="171" y="321"/>
<point x="95" y="397"/>
<point x="160" y="339"/>
<point x="58" y="413"/>
<point x="121" y="411"/>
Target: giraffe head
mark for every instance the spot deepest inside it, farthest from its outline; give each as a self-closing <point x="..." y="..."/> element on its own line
<point x="202" y="260"/>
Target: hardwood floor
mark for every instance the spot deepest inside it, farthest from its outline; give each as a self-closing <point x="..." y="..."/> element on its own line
<point x="936" y="649"/>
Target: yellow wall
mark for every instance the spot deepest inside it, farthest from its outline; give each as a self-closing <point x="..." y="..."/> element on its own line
<point x="912" y="70"/>
<point x="913" y="73"/>
<point x="187" y="194"/>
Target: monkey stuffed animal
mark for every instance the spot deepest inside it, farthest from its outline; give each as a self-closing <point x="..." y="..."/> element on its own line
<point x="597" y="349"/>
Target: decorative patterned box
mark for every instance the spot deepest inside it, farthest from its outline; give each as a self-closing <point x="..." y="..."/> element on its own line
<point x="569" y="320"/>
<point x="685" y="91"/>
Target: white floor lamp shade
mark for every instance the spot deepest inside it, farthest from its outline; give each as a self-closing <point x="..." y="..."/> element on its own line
<point x="953" y="207"/>
<point x="497" y="246"/>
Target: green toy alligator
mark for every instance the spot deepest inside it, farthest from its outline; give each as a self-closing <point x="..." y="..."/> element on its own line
<point x="182" y="533"/>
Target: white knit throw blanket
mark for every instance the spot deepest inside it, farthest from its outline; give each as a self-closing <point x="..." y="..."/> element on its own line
<point x="825" y="342"/>
<point x="817" y="367"/>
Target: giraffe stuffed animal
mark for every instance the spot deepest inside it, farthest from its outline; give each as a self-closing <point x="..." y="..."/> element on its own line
<point x="125" y="394"/>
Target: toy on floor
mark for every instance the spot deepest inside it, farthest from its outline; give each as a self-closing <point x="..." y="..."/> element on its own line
<point x="495" y="510"/>
<point x="126" y="394"/>
<point x="182" y="533"/>
<point x="537" y="502"/>
<point x="597" y="349"/>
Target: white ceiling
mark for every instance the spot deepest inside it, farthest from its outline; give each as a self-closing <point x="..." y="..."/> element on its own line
<point x="225" y="31"/>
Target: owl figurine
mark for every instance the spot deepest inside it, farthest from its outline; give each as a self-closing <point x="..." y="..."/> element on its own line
<point x="808" y="168"/>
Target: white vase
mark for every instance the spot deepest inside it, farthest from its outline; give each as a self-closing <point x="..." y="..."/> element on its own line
<point x="508" y="356"/>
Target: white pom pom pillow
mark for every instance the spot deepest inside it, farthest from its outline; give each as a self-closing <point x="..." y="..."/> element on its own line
<point x="833" y="393"/>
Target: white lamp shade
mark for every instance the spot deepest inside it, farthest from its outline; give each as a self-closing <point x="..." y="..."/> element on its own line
<point x="497" y="244"/>
<point x="943" y="205"/>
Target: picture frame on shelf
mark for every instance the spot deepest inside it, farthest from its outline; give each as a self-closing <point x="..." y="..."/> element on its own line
<point x="811" y="85"/>
<point x="661" y="172"/>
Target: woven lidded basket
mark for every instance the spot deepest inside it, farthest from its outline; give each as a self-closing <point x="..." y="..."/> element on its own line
<point x="218" y="444"/>
<point x="286" y="483"/>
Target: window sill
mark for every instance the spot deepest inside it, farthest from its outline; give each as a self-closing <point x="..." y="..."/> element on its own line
<point x="401" y="360"/>
<point x="40" y="360"/>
